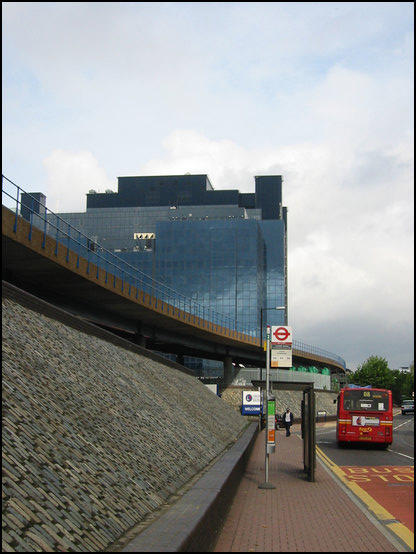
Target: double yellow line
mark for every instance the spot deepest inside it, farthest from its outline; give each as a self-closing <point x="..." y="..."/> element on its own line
<point x="380" y="513"/>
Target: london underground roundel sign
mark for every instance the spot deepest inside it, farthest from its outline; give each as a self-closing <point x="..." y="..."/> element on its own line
<point x="282" y="335"/>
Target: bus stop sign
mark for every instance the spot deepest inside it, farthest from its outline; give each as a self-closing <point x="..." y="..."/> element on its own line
<point x="281" y="335"/>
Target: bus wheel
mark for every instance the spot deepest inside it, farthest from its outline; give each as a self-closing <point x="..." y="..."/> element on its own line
<point x="341" y="444"/>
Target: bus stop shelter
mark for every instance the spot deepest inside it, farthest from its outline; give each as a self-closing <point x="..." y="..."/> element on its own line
<point x="307" y="418"/>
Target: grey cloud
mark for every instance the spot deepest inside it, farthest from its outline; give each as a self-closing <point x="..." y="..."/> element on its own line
<point x="356" y="338"/>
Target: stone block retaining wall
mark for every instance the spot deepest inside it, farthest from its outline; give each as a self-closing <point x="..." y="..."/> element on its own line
<point x="95" y="437"/>
<point x="284" y="399"/>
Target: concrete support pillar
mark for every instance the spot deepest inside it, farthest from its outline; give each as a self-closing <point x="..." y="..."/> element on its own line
<point x="228" y="370"/>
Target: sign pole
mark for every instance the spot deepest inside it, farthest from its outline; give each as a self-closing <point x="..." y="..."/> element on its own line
<point x="266" y="484"/>
<point x="266" y="465"/>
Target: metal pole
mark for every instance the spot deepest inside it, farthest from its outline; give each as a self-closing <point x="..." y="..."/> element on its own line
<point x="260" y="415"/>
<point x="261" y="327"/>
<point x="266" y="484"/>
<point x="261" y="340"/>
<point x="267" y="398"/>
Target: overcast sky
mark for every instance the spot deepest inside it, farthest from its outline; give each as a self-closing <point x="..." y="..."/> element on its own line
<point x="320" y="93"/>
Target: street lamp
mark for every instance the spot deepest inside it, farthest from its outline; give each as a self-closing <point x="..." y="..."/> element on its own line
<point x="261" y="320"/>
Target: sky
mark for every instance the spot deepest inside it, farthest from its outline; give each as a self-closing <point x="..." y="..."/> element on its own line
<point x="320" y="93"/>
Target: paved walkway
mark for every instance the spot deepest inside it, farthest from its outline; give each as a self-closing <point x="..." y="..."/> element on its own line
<point x="297" y="516"/>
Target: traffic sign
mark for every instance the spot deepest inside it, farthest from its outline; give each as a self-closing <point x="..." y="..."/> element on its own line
<point x="281" y="335"/>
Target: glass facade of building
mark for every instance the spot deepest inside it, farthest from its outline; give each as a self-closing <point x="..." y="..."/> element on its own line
<point x="223" y="249"/>
<point x="221" y="264"/>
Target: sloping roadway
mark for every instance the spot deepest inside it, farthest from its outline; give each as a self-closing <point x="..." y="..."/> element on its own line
<point x="50" y="270"/>
<point x="37" y="264"/>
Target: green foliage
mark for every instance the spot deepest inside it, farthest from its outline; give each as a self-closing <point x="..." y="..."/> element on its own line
<point x="403" y="385"/>
<point x="335" y="386"/>
<point x="375" y="372"/>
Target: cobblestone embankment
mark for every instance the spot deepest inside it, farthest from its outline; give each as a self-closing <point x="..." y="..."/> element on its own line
<point x="95" y="437"/>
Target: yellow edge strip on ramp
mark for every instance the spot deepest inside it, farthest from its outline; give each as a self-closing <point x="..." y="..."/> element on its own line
<point x="381" y="513"/>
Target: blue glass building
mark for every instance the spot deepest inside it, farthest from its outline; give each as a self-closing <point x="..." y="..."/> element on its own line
<point x="224" y="249"/>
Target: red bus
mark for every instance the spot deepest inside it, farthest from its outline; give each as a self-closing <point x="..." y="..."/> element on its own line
<point x="364" y="414"/>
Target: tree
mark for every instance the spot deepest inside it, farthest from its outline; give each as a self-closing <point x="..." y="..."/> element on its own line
<point x="375" y="372"/>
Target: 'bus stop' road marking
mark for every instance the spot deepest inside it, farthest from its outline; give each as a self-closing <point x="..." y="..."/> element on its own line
<point x="381" y="514"/>
<point x="391" y="486"/>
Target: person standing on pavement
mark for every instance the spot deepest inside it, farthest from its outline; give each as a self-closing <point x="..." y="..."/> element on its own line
<point x="287" y="421"/>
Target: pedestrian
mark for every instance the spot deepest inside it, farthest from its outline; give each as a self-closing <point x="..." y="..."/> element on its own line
<point x="287" y="421"/>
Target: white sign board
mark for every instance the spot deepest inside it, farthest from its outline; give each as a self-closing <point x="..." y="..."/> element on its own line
<point x="281" y="334"/>
<point x="251" y="397"/>
<point x="281" y="357"/>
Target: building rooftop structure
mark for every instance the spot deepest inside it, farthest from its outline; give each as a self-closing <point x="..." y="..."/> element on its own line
<point x="189" y="190"/>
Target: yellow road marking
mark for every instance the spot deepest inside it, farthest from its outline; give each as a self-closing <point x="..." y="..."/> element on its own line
<point x="381" y="513"/>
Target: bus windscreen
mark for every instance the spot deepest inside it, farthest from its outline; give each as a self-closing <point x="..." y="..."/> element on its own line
<point x="366" y="400"/>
